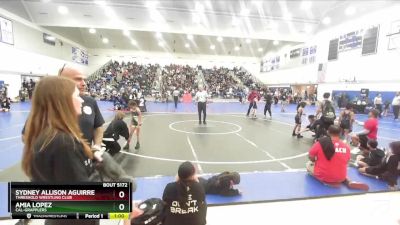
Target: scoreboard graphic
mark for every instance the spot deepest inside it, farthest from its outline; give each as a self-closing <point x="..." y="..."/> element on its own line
<point x="70" y="201"/>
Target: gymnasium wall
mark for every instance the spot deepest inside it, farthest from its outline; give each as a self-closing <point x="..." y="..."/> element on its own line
<point x="382" y="67"/>
<point x="100" y="56"/>
<point x="30" y="55"/>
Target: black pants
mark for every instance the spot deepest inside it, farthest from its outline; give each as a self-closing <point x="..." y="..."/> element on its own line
<point x="250" y="107"/>
<point x="112" y="147"/>
<point x="176" y="101"/>
<point x="201" y="106"/>
<point x="325" y="127"/>
<point x="396" y="109"/>
<point x="379" y="108"/>
<point x="267" y="107"/>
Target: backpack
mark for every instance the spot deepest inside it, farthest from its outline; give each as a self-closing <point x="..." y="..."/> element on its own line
<point x="328" y="112"/>
<point x="153" y="212"/>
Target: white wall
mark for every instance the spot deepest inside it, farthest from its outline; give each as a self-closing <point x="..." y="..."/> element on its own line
<point x="30" y="55"/>
<point x="15" y="62"/>
<point x="300" y="75"/>
<point x="375" y="86"/>
<point x="252" y="64"/>
<point x="383" y="67"/>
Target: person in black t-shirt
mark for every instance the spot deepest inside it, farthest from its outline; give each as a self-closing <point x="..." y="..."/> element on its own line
<point x="372" y="156"/>
<point x="91" y="120"/>
<point x="268" y="102"/>
<point x="185" y="199"/>
<point x="55" y="150"/>
<point x="116" y="128"/>
<point x="388" y="170"/>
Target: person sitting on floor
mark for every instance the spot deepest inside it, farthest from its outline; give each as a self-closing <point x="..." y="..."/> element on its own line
<point x="328" y="160"/>
<point x="370" y="128"/>
<point x="389" y="169"/>
<point x="117" y="128"/>
<point x="222" y="184"/>
<point x="6" y="105"/>
<point x="185" y="199"/>
<point x="372" y="156"/>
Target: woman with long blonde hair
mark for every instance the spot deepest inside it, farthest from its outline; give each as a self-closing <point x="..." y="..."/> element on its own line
<point x="54" y="148"/>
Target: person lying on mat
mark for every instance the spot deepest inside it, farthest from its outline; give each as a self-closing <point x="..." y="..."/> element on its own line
<point x="389" y="169"/>
<point x="222" y="184"/>
<point x="328" y="161"/>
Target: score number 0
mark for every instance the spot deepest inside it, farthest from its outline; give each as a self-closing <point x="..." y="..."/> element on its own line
<point x="121" y="194"/>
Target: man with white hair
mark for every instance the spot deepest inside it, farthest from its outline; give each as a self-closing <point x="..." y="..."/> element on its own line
<point x="201" y="99"/>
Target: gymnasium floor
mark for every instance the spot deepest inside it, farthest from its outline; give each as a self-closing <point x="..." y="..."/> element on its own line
<point x="229" y="141"/>
<point x="262" y="150"/>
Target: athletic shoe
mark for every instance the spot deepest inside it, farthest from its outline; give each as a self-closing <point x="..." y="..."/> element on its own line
<point x="137" y="146"/>
<point x="293" y="135"/>
<point x="358" y="186"/>
<point x="126" y="147"/>
<point x="299" y="136"/>
<point x="199" y="122"/>
<point x="204" y="122"/>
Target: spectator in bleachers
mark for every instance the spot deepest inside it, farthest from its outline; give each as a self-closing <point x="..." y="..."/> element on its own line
<point x="120" y="78"/>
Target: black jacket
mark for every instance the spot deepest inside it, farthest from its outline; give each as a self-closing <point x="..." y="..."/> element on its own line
<point x="62" y="160"/>
<point x="115" y="129"/>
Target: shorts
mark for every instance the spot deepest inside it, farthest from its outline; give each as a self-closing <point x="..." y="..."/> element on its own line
<point x="297" y="120"/>
<point x="345" y="126"/>
<point x="134" y="123"/>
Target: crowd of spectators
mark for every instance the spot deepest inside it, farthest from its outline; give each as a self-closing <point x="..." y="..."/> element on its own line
<point x="121" y="82"/>
<point x="221" y="82"/>
<point x="178" y="77"/>
<point x="247" y="78"/>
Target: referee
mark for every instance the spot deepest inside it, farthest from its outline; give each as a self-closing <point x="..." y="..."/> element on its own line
<point x="201" y="98"/>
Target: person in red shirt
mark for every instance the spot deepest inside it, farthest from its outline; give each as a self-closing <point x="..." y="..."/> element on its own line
<point x="328" y="160"/>
<point x="370" y="128"/>
<point x="253" y="97"/>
